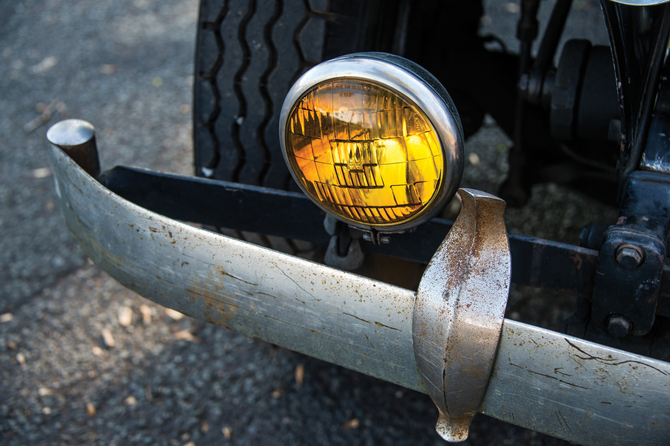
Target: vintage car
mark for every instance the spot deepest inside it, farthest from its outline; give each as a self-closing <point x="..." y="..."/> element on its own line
<point x="358" y="156"/>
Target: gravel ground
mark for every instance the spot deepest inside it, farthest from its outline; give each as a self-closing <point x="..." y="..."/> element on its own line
<point x="85" y="361"/>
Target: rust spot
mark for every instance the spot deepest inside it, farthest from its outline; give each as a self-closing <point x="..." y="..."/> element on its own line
<point x="215" y="310"/>
<point x="577" y="259"/>
<point x="153" y="229"/>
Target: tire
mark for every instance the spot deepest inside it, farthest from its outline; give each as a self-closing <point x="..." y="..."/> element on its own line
<point x="249" y="53"/>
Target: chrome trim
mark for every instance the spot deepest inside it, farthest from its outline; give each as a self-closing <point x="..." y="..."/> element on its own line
<point x="413" y="83"/>
<point x="640" y="2"/>
<point x="459" y="312"/>
<point x="556" y="384"/>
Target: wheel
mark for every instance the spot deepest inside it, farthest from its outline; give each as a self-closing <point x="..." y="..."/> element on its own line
<point x="249" y="53"/>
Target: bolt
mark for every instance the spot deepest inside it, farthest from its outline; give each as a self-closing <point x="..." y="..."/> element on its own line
<point x="367" y="236"/>
<point x="619" y="326"/>
<point x="629" y="256"/>
<point x="384" y="239"/>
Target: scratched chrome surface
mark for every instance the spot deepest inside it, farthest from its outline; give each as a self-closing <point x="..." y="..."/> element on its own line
<point x="459" y="311"/>
<point x="578" y="390"/>
<point x="326" y="313"/>
<point x="543" y="380"/>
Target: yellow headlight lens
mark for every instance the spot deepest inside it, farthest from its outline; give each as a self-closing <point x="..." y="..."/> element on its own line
<point x="364" y="153"/>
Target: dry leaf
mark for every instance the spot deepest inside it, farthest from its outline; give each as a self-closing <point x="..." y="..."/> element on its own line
<point x="299" y="375"/>
<point x="146" y="313"/>
<point x="7" y="317"/>
<point x="108" y="338"/>
<point x="43" y="391"/>
<point x="41" y="119"/>
<point x="125" y="316"/>
<point x="131" y="400"/>
<point x="474" y="159"/>
<point x="227" y="432"/>
<point x="351" y="424"/>
<point x="277" y="393"/>
<point x="90" y="409"/>
<point x="97" y="351"/>
<point x="21" y="358"/>
<point x="175" y="315"/>
<point x="45" y="65"/>
<point x="186" y="335"/>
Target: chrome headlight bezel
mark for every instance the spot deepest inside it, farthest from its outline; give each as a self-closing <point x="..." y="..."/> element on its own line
<point x="414" y="84"/>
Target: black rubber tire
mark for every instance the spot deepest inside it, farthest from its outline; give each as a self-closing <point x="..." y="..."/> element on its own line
<point x="249" y="53"/>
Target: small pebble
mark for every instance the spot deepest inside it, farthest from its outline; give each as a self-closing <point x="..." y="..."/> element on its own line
<point x="131" y="401"/>
<point x="97" y="351"/>
<point x="512" y="7"/>
<point x="90" y="409"/>
<point x="42" y="172"/>
<point x="21" y="358"/>
<point x="108" y="69"/>
<point x="7" y="317"/>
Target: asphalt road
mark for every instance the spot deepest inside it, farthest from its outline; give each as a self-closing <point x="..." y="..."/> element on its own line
<point x="85" y="361"/>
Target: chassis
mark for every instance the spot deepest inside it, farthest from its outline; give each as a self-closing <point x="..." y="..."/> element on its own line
<point x="617" y="339"/>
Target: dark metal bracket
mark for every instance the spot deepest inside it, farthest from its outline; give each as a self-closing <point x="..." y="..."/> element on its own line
<point x="535" y="262"/>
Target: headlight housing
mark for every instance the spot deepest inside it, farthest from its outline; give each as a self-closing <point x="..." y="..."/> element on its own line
<point x="374" y="140"/>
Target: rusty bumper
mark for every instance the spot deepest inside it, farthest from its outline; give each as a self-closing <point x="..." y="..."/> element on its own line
<point x="539" y="379"/>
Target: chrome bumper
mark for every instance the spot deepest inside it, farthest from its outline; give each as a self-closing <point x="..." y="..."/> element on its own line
<point x="555" y="384"/>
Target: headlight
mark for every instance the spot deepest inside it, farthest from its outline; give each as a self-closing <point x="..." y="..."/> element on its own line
<point x="374" y="140"/>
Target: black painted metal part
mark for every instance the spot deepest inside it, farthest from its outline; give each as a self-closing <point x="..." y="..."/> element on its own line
<point x="535" y="262"/>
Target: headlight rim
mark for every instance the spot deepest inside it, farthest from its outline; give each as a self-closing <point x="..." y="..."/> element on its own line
<point x="414" y="84"/>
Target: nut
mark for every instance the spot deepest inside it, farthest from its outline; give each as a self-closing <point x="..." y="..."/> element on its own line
<point x="619" y="326"/>
<point x="629" y="256"/>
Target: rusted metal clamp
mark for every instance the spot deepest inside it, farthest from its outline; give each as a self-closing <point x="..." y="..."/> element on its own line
<point x="459" y="312"/>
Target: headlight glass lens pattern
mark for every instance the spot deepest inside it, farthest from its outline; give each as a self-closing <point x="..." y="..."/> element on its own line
<point x="364" y="153"/>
